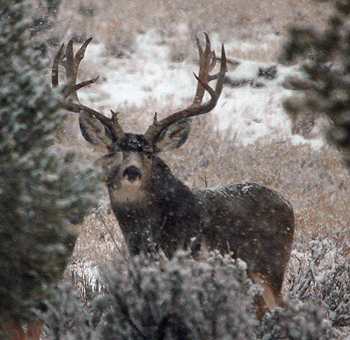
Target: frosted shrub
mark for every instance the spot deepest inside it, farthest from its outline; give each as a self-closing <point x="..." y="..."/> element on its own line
<point x="321" y="276"/>
<point x="66" y="316"/>
<point x="42" y="191"/>
<point x="324" y="89"/>
<point x="207" y="299"/>
<point x="297" y="321"/>
<point x="178" y="299"/>
<point x="317" y="303"/>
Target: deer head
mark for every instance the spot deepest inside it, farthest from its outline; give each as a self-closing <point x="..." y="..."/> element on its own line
<point x="130" y="158"/>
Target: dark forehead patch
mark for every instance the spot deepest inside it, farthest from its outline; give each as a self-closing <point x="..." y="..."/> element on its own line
<point x="134" y="142"/>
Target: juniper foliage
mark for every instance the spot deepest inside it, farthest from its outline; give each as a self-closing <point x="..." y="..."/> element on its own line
<point x="325" y="60"/>
<point x="42" y="191"/>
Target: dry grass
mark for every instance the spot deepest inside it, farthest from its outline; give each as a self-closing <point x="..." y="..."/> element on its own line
<point x="117" y="23"/>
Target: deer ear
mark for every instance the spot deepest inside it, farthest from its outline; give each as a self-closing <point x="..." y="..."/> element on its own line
<point x="173" y="136"/>
<point x="94" y="131"/>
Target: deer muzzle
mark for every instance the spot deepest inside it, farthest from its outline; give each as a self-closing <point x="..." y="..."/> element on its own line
<point x="132" y="173"/>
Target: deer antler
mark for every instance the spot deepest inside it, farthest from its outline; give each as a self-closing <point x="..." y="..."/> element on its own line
<point x="207" y="61"/>
<point x="71" y="64"/>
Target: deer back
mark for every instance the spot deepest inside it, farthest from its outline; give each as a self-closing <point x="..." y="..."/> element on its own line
<point x="249" y="220"/>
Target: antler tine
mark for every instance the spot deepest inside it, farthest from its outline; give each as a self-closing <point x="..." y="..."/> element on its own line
<point x="221" y="75"/>
<point x="55" y="65"/>
<point x="79" y="56"/>
<point x="117" y="130"/>
<point x="206" y="60"/>
<point x="71" y="64"/>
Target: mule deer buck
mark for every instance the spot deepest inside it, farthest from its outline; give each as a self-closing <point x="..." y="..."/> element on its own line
<point x="156" y="211"/>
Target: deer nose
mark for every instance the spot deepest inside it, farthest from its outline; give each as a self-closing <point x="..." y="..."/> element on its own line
<point x="132" y="173"/>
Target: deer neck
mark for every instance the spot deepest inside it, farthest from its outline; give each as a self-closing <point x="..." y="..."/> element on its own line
<point x="168" y="215"/>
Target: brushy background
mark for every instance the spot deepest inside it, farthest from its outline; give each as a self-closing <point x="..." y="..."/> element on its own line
<point x="313" y="179"/>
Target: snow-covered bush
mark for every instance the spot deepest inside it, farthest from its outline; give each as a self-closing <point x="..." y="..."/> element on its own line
<point x="178" y="299"/>
<point x="320" y="275"/>
<point x="317" y="304"/>
<point x="65" y="315"/>
<point x="207" y="299"/>
<point x="326" y="66"/>
<point x="42" y="191"/>
<point x="298" y="321"/>
<point x="147" y="299"/>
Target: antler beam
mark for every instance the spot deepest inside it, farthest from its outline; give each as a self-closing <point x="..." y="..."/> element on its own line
<point x="71" y="64"/>
<point x="207" y="63"/>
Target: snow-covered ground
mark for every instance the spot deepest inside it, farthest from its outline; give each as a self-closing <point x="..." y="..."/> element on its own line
<point x="248" y="112"/>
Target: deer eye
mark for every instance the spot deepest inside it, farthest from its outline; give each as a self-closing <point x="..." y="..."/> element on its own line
<point x="109" y="160"/>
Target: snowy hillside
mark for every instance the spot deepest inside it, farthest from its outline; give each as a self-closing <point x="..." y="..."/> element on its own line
<point x="249" y="108"/>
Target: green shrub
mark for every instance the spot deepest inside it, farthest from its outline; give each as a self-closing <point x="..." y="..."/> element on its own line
<point x="325" y="60"/>
<point x="42" y="192"/>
